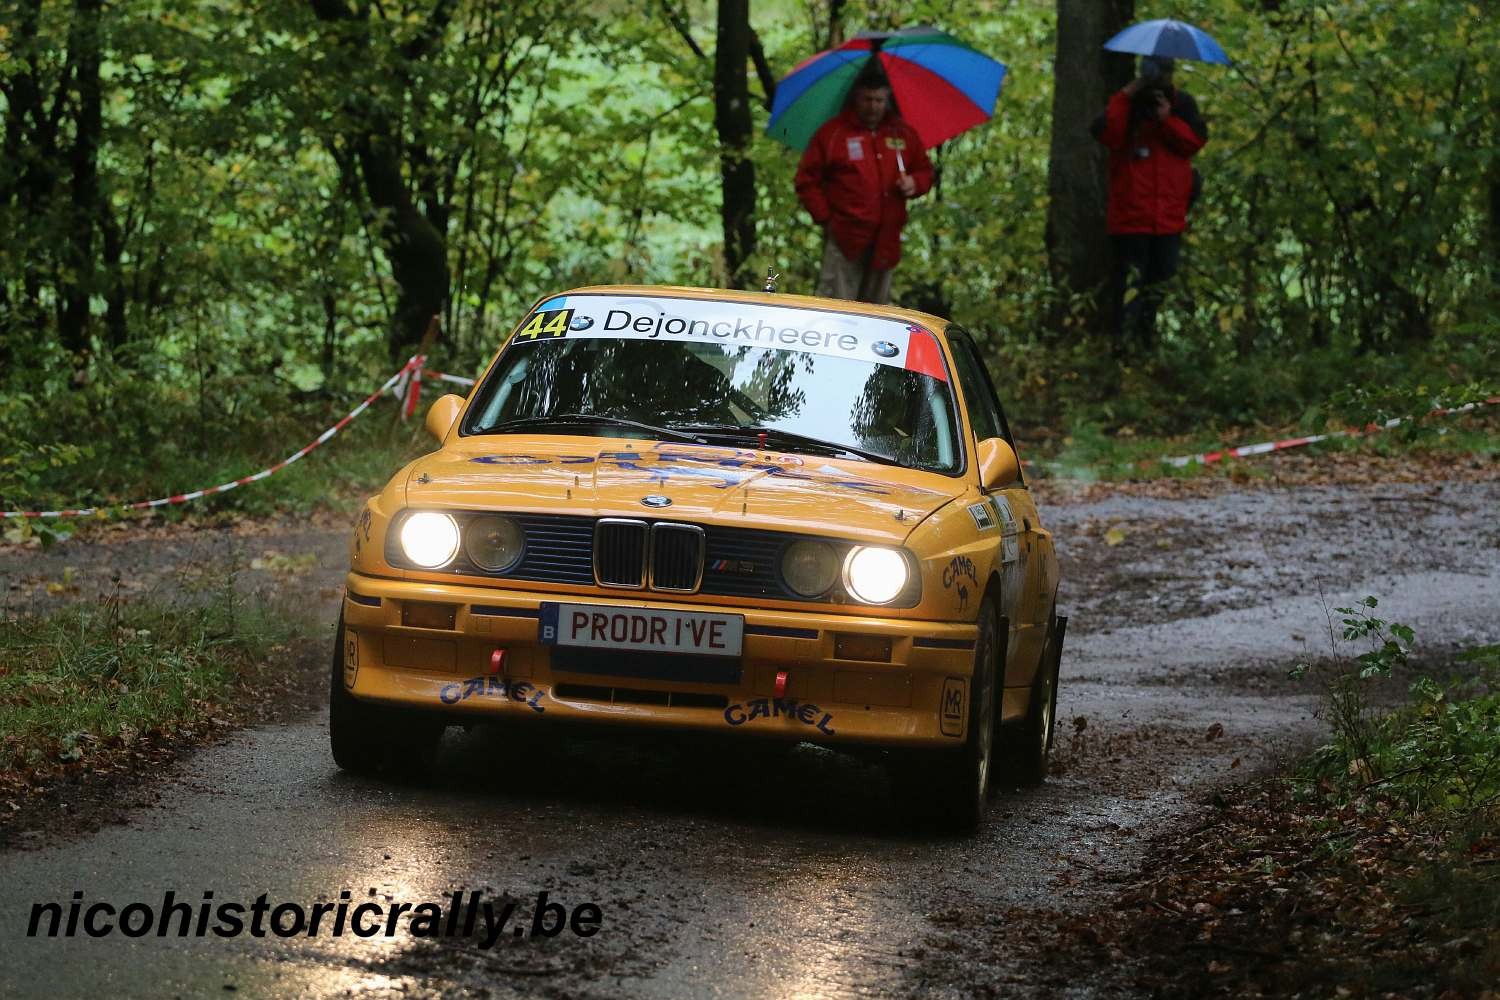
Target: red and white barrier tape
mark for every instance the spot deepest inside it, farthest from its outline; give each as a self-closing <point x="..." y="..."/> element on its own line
<point x="409" y="389"/>
<point x="407" y="386"/>
<point x="445" y="377"/>
<point x="410" y="371"/>
<point x="1210" y="457"/>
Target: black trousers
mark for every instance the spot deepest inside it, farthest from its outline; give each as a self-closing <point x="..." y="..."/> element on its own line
<point x="1143" y="263"/>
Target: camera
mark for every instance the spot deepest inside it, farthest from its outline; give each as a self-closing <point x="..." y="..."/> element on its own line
<point x="1143" y="105"/>
<point x="1156" y="74"/>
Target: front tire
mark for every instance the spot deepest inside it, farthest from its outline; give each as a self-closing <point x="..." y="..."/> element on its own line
<point x="370" y="739"/>
<point x="1034" y="739"/>
<point x="950" y="789"/>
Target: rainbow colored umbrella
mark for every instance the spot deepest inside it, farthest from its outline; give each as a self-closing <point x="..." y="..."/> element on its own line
<point x="941" y="86"/>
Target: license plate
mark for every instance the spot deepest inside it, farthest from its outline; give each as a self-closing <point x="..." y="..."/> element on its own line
<point x="598" y="627"/>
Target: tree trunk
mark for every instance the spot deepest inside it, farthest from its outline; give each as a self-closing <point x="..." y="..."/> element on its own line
<point x="29" y="152"/>
<point x="330" y="333"/>
<point x="835" y="23"/>
<point x="116" y="325"/>
<point x="1494" y="186"/>
<point x="418" y="252"/>
<point x="1085" y="76"/>
<point x="78" y="258"/>
<point x="415" y="245"/>
<point x="732" y="121"/>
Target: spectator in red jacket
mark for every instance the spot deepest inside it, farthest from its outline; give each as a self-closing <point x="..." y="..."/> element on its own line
<point x="859" y="171"/>
<point x="1152" y="131"/>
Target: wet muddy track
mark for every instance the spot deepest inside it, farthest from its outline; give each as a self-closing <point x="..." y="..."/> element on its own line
<point x="735" y="870"/>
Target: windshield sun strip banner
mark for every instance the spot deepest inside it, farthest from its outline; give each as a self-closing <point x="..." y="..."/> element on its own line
<point x="873" y="339"/>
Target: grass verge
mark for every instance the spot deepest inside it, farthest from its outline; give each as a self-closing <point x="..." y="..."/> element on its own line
<point x="97" y="677"/>
<point x="1088" y="453"/>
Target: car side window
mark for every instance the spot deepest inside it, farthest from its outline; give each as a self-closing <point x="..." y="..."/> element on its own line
<point x="984" y="414"/>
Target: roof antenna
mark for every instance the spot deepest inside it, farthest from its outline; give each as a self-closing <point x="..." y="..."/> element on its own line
<point x="771" y="278"/>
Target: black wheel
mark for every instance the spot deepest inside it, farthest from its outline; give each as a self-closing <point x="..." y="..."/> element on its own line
<point x="373" y="739"/>
<point x="1032" y="741"/>
<point x="949" y="789"/>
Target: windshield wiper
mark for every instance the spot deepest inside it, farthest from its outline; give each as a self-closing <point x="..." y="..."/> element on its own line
<point x="591" y="420"/>
<point x="789" y="438"/>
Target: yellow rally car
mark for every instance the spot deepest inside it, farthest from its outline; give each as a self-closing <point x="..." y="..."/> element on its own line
<point x="761" y="514"/>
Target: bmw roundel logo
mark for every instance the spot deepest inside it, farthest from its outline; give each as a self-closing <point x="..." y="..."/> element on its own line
<point x="581" y="322"/>
<point x="885" y="348"/>
<point x="656" y="500"/>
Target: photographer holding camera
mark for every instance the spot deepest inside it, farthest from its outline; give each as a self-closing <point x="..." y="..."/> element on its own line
<point x="1152" y="130"/>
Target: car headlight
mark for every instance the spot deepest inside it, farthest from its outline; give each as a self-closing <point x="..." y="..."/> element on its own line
<point x="875" y="575"/>
<point x="494" y="543"/>
<point x="429" y="539"/>
<point x="809" y="567"/>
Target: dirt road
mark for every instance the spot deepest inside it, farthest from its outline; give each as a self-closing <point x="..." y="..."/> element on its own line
<point x="731" y="872"/>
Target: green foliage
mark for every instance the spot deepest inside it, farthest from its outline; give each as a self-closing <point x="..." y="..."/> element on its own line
<point x="1345" y="683"/>
<point x="143" y="438"/>
<point x="1378" y="405"/>
<point x="24" y="473"/>
<point x="21" y="475"/>
<point x="1436" y="759"/>
<point x="115" y="670"/>
<point x="1380" y="111"/>
<point x="1385" y="639"/>
<point x="1445" y="750"/>
<point x="230" y="260"/>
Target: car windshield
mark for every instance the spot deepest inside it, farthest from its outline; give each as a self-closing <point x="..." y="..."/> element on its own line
<point x="724" y="372"/>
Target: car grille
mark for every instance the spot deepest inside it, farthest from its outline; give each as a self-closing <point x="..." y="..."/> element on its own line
<point x="634" y="554"/>
<point x="745" y="562"/>
<point x="676" y="557"/>
<point x="559" y="549"/>
<point x="620" y="552"/>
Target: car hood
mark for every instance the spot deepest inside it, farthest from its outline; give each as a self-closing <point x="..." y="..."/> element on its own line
<point x="590" y="476"/>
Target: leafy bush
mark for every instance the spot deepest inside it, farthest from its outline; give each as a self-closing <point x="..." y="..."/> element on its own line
<point x="156" y="437"/>
<point x="1435" y="759"/>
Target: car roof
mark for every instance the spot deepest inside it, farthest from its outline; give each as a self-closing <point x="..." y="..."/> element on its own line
<point x="936" y="324"/>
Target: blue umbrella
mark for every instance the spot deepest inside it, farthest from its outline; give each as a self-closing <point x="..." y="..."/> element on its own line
<point x="1172" y="39"/>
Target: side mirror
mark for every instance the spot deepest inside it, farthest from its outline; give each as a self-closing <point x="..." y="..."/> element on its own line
<point x="442" y="414"/>
<point x="998" y="465"/>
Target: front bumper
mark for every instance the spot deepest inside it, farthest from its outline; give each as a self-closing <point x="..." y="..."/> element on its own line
<point x="919" y="698"/>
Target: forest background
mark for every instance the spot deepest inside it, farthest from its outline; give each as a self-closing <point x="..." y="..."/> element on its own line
<point x="225" y="221"/>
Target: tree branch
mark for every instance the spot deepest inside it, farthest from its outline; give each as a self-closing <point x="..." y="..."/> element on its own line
<point x="331" y="10"/>
<point x="678" y="20"/>
<point x="433" y="28"/>
<point x="762" y="70"/>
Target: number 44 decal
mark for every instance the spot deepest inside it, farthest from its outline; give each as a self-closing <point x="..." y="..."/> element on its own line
<point x="553" y="323"/>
